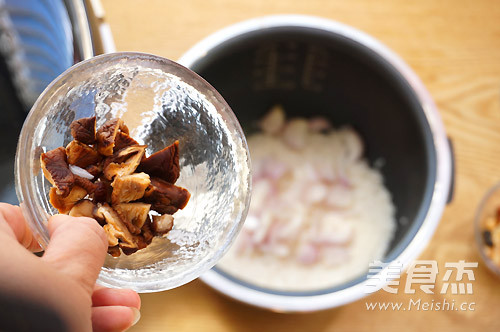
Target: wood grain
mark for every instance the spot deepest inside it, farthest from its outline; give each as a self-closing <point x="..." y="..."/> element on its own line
<point x="454" y="46"/>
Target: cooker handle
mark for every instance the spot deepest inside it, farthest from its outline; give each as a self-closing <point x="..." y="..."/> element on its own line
<point x="452" y="181"/>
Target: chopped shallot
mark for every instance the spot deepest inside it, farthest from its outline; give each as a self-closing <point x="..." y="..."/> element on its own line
<point x="297" y="203"/>
<point x="273" y="122"/>
<point x="80" y="172"/>
<point x="295" y="133"/>
<point x="319" y="213"/>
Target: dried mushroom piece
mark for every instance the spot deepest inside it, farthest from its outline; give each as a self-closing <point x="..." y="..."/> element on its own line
<point x="105" y="175"/>
<point x="127" y="250"/>
<point x="64" y="204"/>
<point x="123" y="127"/>
<point x="124" y="162"/>
<point x="122" y="141"/>
<point x="106" y="135"/>
<point x="86" y="184"/>
<point x="129" y="187"/>
<point x="140" y="244"/>
<point x="81" y="155"/>
<point x="114" y="251"/>
<point x="56" y="170"/>
<point x="84" y="208"/>
<point x="163" y="164"/>
<point x="135" y="213"/>
<point x="103" y="190"/>
<point x="166" y="198"/>
<point x="147" y="232"/>
<point x="112" y="235"/>
<point x="133" y="229"/>
<point x="163" y="224"/>
<point x="142" y="240"/>
<point x="95" y="170"/>
<point x="83" y="130"/>
<point x="116" y="226"/>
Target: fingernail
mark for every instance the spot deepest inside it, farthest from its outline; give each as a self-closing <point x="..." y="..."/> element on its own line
<point x="137" y="315"/>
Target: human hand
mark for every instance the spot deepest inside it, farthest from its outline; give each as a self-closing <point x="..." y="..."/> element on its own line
<point x="63" y="279"/>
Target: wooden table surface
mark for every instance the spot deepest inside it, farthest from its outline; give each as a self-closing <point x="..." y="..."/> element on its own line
<point x="454" y="46"/>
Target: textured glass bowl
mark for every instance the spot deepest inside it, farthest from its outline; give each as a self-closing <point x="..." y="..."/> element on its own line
<point x="160" y="101"/>
<point x="487" y="209"/>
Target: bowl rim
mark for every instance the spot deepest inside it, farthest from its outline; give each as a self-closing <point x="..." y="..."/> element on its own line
<point x="28" y="205"/>
<point x="292" y="303"/>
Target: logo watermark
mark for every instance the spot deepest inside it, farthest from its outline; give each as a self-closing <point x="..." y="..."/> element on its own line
<point x="419" y="305"/>
<point x="456" y="279"/>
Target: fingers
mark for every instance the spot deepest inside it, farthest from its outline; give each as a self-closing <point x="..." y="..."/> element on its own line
<point x="14" y="218"/>
<point x="77" y="248"/>
<point x="115" y="297"/>
<point x="114" y="318"/>
<point x="114" y="309"/>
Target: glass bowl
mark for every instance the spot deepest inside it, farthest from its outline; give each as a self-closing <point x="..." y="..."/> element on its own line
<point x="160" y="101"/>
<point x="488" y="208"/>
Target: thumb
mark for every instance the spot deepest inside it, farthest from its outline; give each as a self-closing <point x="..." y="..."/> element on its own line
<point x="77" y="248"/>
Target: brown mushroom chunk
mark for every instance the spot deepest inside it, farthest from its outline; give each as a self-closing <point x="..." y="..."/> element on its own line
<point x="129" y="187"/>
<point x="110" y="168"/>
<point x="114" y="251"/>
<point x="124" y="162"/>
<point x="86" y="184"/>
<point x="84" y="208"/>
<point x="81" y="155"/>
<point x="118" y="229"/>
<point x="133" y="229"/>
<point x="122" y="141"/>
<point x="142" y="242"/>
<point x="95" y="170"/>
<point x="163" y="164"/>
<point x="123" y="127"/>
<point x="163" y="224"/>
<point x="56" y="170"/>
<point x="136" y="213"/>
<point x="64" y="204"/>
<point x="106" y="135"/>
<point x="83" y="130"/>
<point x="127" y="250"/>
<point x="147" y="232"/>
<point x="102" y="193"/>
<point x="166" y="198"/>
<point x="112" y="234"/>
